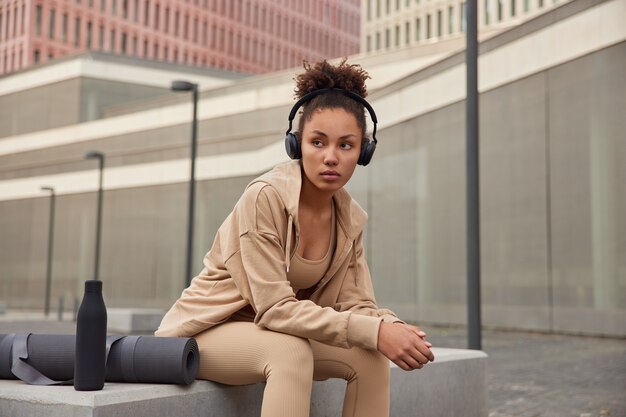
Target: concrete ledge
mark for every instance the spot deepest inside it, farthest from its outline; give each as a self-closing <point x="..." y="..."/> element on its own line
<point x="454" y="385"/>
<point x="133" y="320"/>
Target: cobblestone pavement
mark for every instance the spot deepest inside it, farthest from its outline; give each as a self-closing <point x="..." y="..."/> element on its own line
<point x="545" y="375"/>
<point x="528" y="374"/>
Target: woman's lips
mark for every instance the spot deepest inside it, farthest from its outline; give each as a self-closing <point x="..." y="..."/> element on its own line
<point x="330" y="175"/>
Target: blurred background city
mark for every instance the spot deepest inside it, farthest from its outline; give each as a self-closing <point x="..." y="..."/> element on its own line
<point x="95" y="144"/>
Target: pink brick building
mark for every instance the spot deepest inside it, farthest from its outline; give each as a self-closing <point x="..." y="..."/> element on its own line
<point x="252" y="36"/>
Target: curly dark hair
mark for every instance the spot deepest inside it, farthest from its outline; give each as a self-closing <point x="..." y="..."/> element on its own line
<point x="320" y="75"/>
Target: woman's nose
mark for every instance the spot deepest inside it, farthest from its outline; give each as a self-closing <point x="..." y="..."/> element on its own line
<point x="330" y="157"/>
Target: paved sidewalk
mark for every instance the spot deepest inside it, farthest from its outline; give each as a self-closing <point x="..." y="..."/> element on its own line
<point x="543" y="375"/>
<point x="528" y="374"/>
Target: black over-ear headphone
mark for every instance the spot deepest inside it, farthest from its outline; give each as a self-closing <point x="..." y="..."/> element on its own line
<point x="292" y="142"/>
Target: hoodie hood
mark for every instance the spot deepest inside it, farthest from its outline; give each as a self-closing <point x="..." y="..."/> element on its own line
<point x="286" y="179"/>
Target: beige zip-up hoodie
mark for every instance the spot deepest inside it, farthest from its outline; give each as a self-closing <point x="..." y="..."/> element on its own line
<point x="248" y="264"/>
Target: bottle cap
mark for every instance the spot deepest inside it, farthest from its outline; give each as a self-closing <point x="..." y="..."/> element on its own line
<point x="93" y="285"/>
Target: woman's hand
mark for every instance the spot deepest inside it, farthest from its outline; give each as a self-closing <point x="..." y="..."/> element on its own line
<point x="404" y="345"/>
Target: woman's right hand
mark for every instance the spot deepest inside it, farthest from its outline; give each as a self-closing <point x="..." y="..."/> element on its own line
<point x="404" y="345"/>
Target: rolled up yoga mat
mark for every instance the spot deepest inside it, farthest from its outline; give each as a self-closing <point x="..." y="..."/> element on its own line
<point x="47" y="359"/>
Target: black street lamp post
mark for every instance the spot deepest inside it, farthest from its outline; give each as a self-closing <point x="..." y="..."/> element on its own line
<point x="100" y="157"/>
<point x="50" y="244"/>
<point x="474" y="339"/>
<point x="187" y="86"/>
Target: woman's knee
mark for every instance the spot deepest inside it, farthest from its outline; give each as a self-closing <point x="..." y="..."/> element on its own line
<point x="368" y="364"/>
<point x="291" y="355"/>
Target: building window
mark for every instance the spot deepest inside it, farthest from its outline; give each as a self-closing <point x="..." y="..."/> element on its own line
<point x="64" y="28"/>
<point x="124" y="42"/>
<point x="377" y="40"/>
<point x="500" y="7"/>
<point x="146" y="12"/>
<point x="418" y="30"/>
<point x="427" y="26"/>
<point x="157" y="12"/>
<point x="136" y="11"/>
<point x="369" y="10"/>
<point x="77" y="31"/>
<point x="387" y="6"/>
<point x="101" y="37"/>
<point x="102" y="5"/>
<point x="513" y="10"/>
<point x="125" y="9"/>
<point x="540" y="3"/>
<point x="134" y="45"/>
<point x="186" y="26"/>
<point x="439" y="23"/>
<point x="397" y="35"/>
<point x="37" y="20"/>
<point x="397" y="5"/>
<point x="407" y="33"/>
<point x="463" y="20"/>
<point x="195" y="30"/>
<point x="368" y="43"/>
<point x="377" y="8"/>
<point x="35" y="56"/>
<point x="526" y="6"/>
<point x="155" y="51"/>
<point x="112" y="45"/>
<point x="450" y="19"/>
<point x="145" y="49"/>
<point x="176" y="17"/>
<point x="23" y="20"/>
<point x="167" y="20"/>
<point x="487" y="11"/>
<point x="205" y="30"/>
<point x="51" y="24"/>
<point x="113" y="7"/>
<point x="387" y="40"/>
<point x="88" y="35"/>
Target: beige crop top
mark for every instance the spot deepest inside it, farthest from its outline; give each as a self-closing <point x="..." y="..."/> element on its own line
<point x="305" y="273"/>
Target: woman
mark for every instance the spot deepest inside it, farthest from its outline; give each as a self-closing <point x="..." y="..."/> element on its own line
<point x="285" y="295"/>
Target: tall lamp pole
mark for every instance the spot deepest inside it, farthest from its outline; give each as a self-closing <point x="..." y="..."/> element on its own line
<point x="50" y="244"/>
<point x="472" y="178"/>
<point x="188" y="86"/>
<point x="100" y="157"/>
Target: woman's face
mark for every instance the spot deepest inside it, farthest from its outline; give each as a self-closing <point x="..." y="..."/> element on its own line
<point x="331" y="144"/>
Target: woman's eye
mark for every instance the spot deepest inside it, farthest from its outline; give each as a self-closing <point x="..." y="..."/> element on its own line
<point x="317" y="143"/>
<point x="346" y="146"/>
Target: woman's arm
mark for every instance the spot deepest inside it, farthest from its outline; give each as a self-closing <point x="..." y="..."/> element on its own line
<point x="403" y="344"/>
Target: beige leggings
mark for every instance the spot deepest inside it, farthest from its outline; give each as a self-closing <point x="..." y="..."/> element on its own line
<point x="238" y="353"/>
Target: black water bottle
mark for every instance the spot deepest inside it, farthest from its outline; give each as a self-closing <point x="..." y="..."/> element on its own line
<point x="91" y="331"/>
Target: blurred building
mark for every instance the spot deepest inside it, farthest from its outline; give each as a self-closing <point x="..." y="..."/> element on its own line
<point x="393" y="24"/>
<point x="252" y="36"/>
<point x="552" y="99"/>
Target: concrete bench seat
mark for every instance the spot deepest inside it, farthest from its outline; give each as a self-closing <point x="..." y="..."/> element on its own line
<point x="134" y="320"/>
<point x="453" y="385"/>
